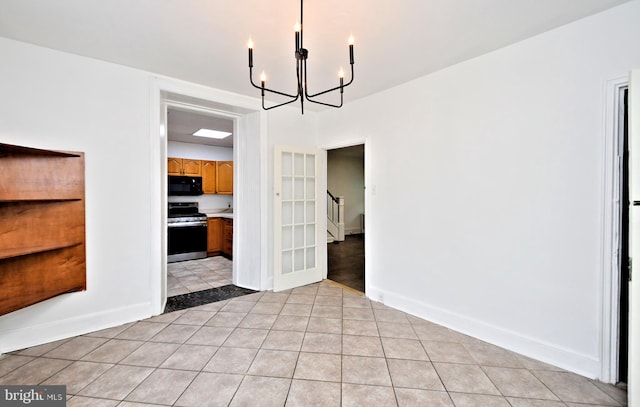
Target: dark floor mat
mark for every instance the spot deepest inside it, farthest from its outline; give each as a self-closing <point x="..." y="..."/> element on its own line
<point x="194" y="299"/>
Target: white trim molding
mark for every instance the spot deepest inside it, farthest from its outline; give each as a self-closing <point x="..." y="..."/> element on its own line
<point x="611" y="218"/>
<point x="250" y="260"/>
<point x="546" y="352"/>
<point x="367" y="210"/>
<point x="29" y="336"/>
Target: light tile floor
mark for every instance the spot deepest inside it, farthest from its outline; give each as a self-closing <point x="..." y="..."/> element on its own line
<point x="319" y="345"/>
<point x="196" y="275"/>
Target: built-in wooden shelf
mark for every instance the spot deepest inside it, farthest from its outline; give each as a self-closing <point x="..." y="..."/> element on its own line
<point x="42" y="225"/>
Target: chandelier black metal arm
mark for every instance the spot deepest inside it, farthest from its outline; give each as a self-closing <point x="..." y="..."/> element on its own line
<point x="340" y="87"/>
<point x="301" y="55"/>
<point x="263" y="90"/>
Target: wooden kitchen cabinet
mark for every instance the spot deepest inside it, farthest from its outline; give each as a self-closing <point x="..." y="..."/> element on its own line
<point x="184" y="167"/>
<point x="192" y="168"/>
<point x="42" y="225"/>
<point x="209" y="177"/>
<point x="217" y="176"/>
<point x="227" y="237"/>
<point x="224" y="183"/>
<point x="214" y="236"/>
<point x="174" y="166"/>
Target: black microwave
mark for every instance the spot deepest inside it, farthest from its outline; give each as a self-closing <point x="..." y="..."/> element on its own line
<point x="179" y="185"/>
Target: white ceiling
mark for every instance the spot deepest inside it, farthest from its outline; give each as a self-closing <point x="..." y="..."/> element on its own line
<point x="181" y="124"/>
<point x="204" y="41"/>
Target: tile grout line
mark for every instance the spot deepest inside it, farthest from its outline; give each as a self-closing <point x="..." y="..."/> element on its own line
<point x="320" y="299"/>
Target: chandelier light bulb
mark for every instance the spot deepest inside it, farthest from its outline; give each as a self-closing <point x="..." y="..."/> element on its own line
<point x="302" y="93"/>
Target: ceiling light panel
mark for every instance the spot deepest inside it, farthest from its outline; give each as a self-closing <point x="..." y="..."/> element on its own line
<point x="211" y="133"/>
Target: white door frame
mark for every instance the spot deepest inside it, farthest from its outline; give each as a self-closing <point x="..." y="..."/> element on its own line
<point x="633" y="381"/>
<point x="250" y="200"/>
<point x="367" y="218"/>
<point x="612" y="217"/>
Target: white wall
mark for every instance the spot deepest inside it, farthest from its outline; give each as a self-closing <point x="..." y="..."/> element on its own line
<point x="202" y="152"/>
<point x="61" y="101"/>
<point x="345" y="177"/>
<point x="199" y="151"/>
<point x="485" y="205"/>
<point x="286" y="127"/>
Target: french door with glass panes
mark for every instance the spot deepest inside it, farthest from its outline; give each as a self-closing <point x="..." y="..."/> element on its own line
<point x="296" y="215"/>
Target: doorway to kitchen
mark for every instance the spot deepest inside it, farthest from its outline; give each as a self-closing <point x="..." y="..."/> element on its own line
<point x="249" y="237"/>
<point x="200" y="215"/>
<point x="345" y="216"/>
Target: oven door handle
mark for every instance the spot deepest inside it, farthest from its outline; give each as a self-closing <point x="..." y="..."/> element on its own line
<point x="186" y="224"/>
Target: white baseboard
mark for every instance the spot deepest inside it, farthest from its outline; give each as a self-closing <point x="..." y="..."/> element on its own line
<point x="555" y="355"/>
<point x="53" y="331"/>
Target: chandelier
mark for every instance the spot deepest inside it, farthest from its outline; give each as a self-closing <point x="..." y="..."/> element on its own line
<point x="301" y="55"/>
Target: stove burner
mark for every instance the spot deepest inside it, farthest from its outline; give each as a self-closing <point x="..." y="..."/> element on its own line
<point x="180" y="212"/>
<point x="187" y="218"/>
<point x="187" y="232"/>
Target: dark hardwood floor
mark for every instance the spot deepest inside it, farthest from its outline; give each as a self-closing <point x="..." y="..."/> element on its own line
<point x="346" y="262"/>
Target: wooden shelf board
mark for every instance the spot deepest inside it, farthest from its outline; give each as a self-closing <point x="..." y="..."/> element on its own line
<point x="7" y="149"/>
<point x="38" y="200"/>
<point x="7" y="253"/>
<point x="42" y="177"/>
<point x="26" y="280"/>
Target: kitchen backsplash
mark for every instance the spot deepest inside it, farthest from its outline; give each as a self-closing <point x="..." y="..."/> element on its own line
<point x="206" y="201"/>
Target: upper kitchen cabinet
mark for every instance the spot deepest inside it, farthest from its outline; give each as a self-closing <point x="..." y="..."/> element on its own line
<point x="224" y="177"/>
<point x="174" y="166"/>
<point x="184" y="166"/>
<point x="217" y="176"/>
<point x="209" y="177"/>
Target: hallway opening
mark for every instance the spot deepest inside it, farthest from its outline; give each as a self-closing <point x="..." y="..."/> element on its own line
<point x="345" y="216"/>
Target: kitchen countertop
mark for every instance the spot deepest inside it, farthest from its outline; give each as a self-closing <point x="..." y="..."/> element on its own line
<point x="218" y="213"/>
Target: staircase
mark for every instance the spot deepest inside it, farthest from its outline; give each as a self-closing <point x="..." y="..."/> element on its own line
<point x="335" y="218"/>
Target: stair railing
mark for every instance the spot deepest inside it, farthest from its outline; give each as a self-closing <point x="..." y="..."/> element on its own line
<point x="333" y="208"/>
<point x="335" y="214"/>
